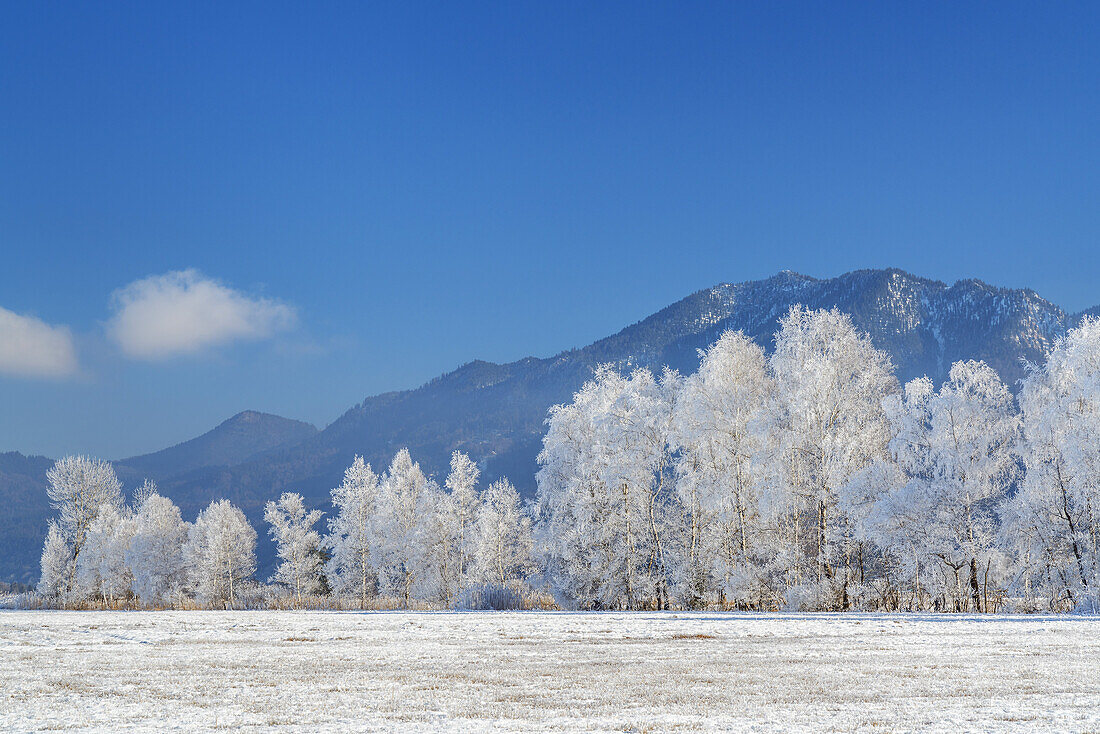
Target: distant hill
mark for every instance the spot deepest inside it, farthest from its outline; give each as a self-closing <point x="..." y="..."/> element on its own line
<point x="236" y="440"/>
<point x="495" y="412"/>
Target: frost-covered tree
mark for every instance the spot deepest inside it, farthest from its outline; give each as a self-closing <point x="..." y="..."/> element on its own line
<point x="462" y="485"/>
<point x="101" y="569"/>
<point x="57" y="563"/>
<point x="898" y="518"/>
<point x="503" y="532"/>
<point x="440" y="577"/>
<point x="147" y="489"/>
<point x="155" y="556"/>
<point x="220" y="552"/>
<point x="1053" y="522"/>
<point x="79" y="488"/>
<point x="830" y="384"/>
<point x="886" y="523"/>
<point x="405" y="506"/>
<point x="721" y="434"/>
<point x="296" y="543"/>
<point x="957" y="448"/>
<point x="638" y="428"/>
<point x="351" y="537"/>
<point x="604" y="491"/>
<point x="573" y="499"/>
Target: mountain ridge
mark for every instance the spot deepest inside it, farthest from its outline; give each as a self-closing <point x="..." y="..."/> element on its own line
<point x="495" y="411"/>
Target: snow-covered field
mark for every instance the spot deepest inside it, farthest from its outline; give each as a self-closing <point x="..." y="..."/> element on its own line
<point x="310" y="671"/>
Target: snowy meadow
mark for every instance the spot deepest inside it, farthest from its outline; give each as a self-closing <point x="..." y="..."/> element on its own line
<point x="536" y="671"/>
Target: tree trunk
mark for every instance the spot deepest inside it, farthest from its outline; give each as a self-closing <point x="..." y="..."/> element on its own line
<point x="975" y="590"/>
<point x="822" y="542"/>
<point x="744" y="540"/>
<point x="657" y="549"/>
<point x="298" y="586"/>
<point x="1072" y="534"/>
<point x="629" y="575"/>
<point x="916" y="583"/>
<point x="985" y="585"/>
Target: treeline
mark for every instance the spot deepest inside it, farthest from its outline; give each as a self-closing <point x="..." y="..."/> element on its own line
<point x="809" y="479"/>
<point x="394" y="540"/>
<point x="805" y="479"/>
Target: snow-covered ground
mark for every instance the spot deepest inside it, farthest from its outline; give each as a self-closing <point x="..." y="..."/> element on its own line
<point x="525" y="671"/>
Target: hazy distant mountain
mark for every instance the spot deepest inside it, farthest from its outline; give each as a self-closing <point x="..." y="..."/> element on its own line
<point x="234" y="441"/>
<point x="495" y="412"/>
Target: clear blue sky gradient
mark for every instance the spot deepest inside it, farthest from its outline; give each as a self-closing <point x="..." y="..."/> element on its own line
<point x="430" y="184"/>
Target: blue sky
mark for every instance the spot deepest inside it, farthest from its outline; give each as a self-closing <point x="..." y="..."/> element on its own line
<point x="374" y="195"/>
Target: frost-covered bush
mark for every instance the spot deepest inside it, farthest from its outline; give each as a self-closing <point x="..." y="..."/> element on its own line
<point x="251" y="594"/>
<point x="24" y="600"/>
<point x="489" y="596"/>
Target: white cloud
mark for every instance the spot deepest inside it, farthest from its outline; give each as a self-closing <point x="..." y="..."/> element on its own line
<point x="184" y="312"/>
<point x="30" y="347"/>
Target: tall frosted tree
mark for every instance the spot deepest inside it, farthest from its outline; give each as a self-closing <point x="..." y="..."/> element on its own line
<point x="462" y="485"/>
<point x="57" y="563"/>
<point x="958" y="448"/>
<point x="605" y="491"/>
<point x="405" y="506"/>
<point x="830" y="385"/>
<point x="296" y="543"/>
<point x="644" y="414"/>
<point x="721" y="435"/>
<point x="574" y="500"/>
<point x="220" y="553"/>
<point x="79" y="488"/>
<point x="1052" y="523"/>
<point x="440" y="577"/>
<point x="101" y="568"/>
<point x="503" y="532"/>
<point x="155" y="556"/>
<point x="351" y="536"/>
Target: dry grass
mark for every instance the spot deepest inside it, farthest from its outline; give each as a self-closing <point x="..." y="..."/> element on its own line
<point x="269" y="598"/>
